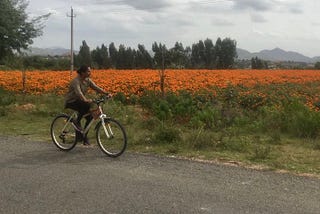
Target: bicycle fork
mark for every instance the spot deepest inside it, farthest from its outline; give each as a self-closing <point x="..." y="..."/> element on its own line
<point x="106" y="127"/>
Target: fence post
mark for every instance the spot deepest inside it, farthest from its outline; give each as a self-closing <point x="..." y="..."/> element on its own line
<point x="24" y="77"/>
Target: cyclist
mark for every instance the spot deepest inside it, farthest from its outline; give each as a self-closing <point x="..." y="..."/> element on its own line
<point x="75" y="98"/>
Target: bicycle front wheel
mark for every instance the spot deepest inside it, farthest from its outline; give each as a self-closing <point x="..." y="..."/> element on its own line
<point x="63" y="133"/>
<point x="111" y="137"/>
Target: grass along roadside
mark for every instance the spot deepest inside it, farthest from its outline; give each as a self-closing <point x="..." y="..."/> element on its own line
<point x="31" y="116"/>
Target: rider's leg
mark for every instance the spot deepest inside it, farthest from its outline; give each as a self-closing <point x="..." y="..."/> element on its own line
<point x="85" y="137"/>
<point x="82" y="108"/>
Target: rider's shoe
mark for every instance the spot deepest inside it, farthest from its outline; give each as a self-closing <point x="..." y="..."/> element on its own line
<point x="86" y="141"/>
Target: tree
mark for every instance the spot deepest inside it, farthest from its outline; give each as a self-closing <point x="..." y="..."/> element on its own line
<point x="219" y="53"/>
<point x="209" y="54"/>
<point x="161" y="55"/>
<point x="178" y="56"/>
<point x="317" y="65"/>
<point x="195" y="56"/>
<point x="84" y="56"/>
<point x="226" y="51"/>
<point x="113" y="52"/>
<point x="16" y="31"/>
<point x="257" y="63"/>
<point x="100" y="57"/>
<point x="143" y="58"/>
<point x="202" y="55"/>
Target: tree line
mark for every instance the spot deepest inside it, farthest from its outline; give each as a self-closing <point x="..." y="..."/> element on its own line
<point x="202" y="55"/>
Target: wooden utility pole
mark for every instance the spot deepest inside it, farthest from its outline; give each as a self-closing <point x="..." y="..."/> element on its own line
<point x="71" y="49"/>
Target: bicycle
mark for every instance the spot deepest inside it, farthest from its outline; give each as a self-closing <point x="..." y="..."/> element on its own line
<point x="110" y="134"/>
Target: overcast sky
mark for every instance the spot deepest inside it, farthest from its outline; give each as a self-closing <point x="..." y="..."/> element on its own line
<point x="292" y="25"/>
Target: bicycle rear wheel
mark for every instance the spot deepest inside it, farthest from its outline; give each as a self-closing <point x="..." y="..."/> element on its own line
<point x="111" y="138"/>
<point x="63" y="133"/>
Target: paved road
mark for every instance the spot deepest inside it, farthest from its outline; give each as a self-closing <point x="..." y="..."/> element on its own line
<point x="35" y="177"/>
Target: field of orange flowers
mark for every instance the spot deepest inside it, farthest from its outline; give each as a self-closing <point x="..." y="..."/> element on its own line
<point x="136" y="81"/>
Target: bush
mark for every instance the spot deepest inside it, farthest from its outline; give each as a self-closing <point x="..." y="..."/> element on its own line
<point x="251" y="101"/>
<point x="7" y="98"/>
<point x="300" y="121"/>
<point x="203" y="140"/>
<point x="164" y="134"/>
<point x="121" y="97"/>
<point x="261" y="152"/>
<point x="209" y="117"/>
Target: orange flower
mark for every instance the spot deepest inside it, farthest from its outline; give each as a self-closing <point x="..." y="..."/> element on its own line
<point x="136" y="81"/>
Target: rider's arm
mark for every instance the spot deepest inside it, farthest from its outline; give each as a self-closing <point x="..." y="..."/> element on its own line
<point x="97" y="88"/>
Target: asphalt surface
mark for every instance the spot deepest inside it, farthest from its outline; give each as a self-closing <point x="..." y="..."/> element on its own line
<point x="35" y="177"/>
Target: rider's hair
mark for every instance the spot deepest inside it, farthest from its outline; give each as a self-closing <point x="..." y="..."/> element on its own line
<point x="82" y="69"/>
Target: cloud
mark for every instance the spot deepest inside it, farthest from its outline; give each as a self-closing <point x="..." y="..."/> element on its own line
<point x="261" y="5"/>
<point x="146" y="5"/>
<point x="258" y="18"/>
<point x="268" y="5"/>
<point x="294" y="8"/>
<point x="315" y="23"/>
<point x="222" y="22"/>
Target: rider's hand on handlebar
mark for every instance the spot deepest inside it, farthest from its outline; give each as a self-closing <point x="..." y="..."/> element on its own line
<point x="89" y="100"/>
<point x="108" y="95"/>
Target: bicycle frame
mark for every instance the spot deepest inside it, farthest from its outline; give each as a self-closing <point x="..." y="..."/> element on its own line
<point x="102" y="116"/>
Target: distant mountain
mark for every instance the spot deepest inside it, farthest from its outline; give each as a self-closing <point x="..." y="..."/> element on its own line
<point x="276" y="54"/>
<point x="54" y="51"/>
<point x="316" y="59"/>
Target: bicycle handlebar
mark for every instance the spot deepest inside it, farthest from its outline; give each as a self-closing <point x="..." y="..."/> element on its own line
<point x="101" y="99"/>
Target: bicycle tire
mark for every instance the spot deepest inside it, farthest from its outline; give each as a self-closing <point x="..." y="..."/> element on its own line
<point x="116" y="143"/>
<point x="66" y="139"/>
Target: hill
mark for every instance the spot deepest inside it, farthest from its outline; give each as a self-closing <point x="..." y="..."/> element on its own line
<point x="276" y="54"/>
<point x="54" y="51"/>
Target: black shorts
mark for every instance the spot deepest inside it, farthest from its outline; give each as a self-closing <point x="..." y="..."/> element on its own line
<point x="79" y="106"/>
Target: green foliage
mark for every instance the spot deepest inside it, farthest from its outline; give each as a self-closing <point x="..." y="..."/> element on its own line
<point x="100" y="57"/>
<point x="202" y="139"/>
<point x="293" y="118"/>
<point x="7" y="98"/>
<point x="301" y="121"/>
<point x="261" y="152"/>
<point x="251" y="101"/>
<point x="84" y="56"/>
<point x="208" y="117"/>
<point x="317" y="65"/>
<point x="257" y="63"/>
<point x="121" y="97"/>
<point x="178" y="106"/>
<point x="226" y="53"/>
<point x="17" y="30"/>
<point x="166" y="135"/>
<point x="161" y="56"/>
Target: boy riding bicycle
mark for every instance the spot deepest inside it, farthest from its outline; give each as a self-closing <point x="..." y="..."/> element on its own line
<point x="75" y="98"/>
